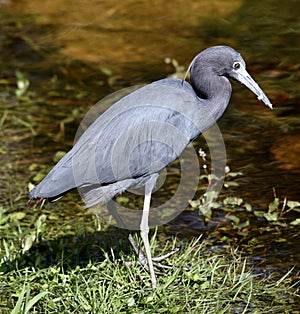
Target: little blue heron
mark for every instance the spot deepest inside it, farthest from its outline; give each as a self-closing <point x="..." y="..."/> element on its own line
<point x="140" y="134"/>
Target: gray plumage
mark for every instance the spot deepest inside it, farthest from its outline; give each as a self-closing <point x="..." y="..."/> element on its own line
<point x="144" y="131"/>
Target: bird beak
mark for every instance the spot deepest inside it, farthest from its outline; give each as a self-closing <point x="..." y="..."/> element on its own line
<point x="244" y="77"/>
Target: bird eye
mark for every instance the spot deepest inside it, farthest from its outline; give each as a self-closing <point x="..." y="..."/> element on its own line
<point x="236" y="65"/>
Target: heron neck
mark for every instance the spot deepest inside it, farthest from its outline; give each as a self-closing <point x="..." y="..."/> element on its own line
<point x="215" y="93"/>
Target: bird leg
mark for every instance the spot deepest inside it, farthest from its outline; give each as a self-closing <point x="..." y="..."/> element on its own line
<point x="144" y="227"/>
<point x="142" y="258"/>
<point x="141" y="255"/>
<point x="139" y="252"/>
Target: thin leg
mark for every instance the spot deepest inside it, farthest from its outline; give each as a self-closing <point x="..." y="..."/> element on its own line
<point x="145" y="232"/>
<point x="142" y="257"/>
<point x="139" y="252"/>
<point x="111" y="205"/>
<point x="144" y="229"/>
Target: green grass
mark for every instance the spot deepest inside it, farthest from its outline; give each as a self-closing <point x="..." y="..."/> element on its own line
<point x="52" y="278"/>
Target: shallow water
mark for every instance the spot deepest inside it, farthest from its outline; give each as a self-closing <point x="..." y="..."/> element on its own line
<point x="76" y="53"/>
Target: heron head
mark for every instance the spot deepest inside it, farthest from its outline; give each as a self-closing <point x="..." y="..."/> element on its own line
<point x="227" y="62"/>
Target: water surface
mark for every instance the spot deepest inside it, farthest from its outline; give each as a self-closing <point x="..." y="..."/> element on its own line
<point x="75" y="53"/>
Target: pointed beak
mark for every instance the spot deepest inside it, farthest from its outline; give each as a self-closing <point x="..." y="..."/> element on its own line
<point x="244" y="77"/>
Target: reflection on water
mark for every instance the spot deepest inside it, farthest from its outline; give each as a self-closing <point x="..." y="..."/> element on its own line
<point x="119" y="34"/>
<point x="68" y="50"/>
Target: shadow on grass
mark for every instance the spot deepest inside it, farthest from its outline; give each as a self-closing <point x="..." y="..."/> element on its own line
<point x="73" y="250"/>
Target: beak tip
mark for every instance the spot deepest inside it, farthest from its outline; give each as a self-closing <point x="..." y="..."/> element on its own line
<point x="264" y="99"/>
<point x="268" y="103"/>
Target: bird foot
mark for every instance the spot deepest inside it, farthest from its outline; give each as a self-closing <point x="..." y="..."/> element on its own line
<point x="36" y="202"/>
<point x="142" y="259"/>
